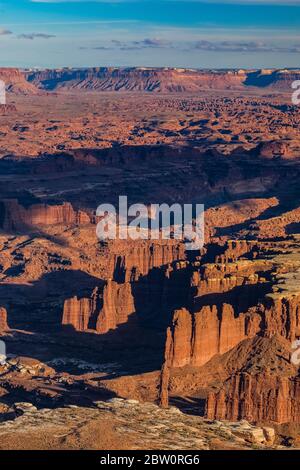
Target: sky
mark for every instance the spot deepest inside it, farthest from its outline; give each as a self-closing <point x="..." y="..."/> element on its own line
<point x="174" y="33"/>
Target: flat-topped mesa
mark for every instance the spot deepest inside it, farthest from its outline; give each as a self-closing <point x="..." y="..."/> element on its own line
<point x="3" y="320"/>
<point x="105" y="310"/>
<point x="134" y="79"/>
<point x="280" y="79"/>
<point x="158" y="80"/>
<point x="16" y="82"/>
<point x="14" y="215"/>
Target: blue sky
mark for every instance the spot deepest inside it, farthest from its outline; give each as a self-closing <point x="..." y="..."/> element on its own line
<point x="183" y="33"/>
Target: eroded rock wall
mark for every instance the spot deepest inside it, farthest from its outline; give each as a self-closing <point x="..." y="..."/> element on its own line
<point x="16" y="216"/>
<point x="196" y="338"/>
<point x="104" y="311"/>
<point x="257" y="398"/>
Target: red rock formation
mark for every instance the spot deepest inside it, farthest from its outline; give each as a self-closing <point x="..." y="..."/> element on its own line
<point x="280" y="226"/>
<point x="237" y="212"/>
<point x="197" y="338"/>
<point x="220" y="278"/>
<point x="205" y="336"/>
<point x="140" y="258"/>
<point x="102" y="312"/>
<point x="181" y="338"/>
<point x="16" y="82"/>
<point x="118" y="305"/>
<point x="282" y="316"/>
<point x="236" y="249"/>
<point x="79" y="312"/>
<point x="207" y="329"/>
<point x="135" y="79"/>
<point x="157" y="79"/>
<point x="232" y="330"/>
<point x="266" y="384"/>
<point x="165" y="373"/>
<point x="3" y="320"/>
<point x="257" y="398"/>
<point x="16" y="216"/>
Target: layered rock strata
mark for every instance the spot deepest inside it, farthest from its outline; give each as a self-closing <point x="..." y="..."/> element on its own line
<point x="102" y="312"/>
<point x="13" y="215"/>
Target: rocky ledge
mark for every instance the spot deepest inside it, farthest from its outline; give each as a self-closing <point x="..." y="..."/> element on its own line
<point x="128" y="424"/>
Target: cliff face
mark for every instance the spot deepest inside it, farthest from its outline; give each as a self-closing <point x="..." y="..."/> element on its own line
<point x="133" y="79"/>
<point x="277" y="226"/>
<point x="141" y="258"/>
<point x="146" y="278"/>
<point x="118" y="305"/>
<point x="264" y="385"/>
<point x="16" y="82"/>
<point x="80" y="313"/>
<point x="236" y="249"/>
<point x="282" y="316"/>
<point x="275" y="79"/>
<point x="270" y="390"/>
<point x="238" y="330"/>
<point x="156" y="79"/>
<point x="221" y="313"/>
<point x="104" y="311"/>
<point x="13" y="215"/>
<point x="257" y="398"/>
<point x="197" y="338"/>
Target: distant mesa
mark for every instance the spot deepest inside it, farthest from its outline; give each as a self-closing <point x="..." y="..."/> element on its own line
<point x="157" y="80"/>
<point x="143" y="79"/>
<point x="16" y="82"/>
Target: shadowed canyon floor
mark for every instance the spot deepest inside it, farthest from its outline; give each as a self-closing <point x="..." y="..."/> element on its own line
<point x="99" y="334"/>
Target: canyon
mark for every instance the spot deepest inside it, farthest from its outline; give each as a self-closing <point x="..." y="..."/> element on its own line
<point x="118" y="328"/>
